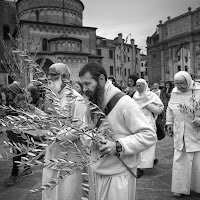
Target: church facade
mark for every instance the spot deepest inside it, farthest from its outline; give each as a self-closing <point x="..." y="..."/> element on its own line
<point x="55" y="31"/>
<point x="175" y="46"/>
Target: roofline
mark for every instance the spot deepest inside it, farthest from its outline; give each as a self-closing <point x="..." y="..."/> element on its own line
<point x="55" y="24"/>
<point x="78" y="1"/>
<point x="61" y="53"/>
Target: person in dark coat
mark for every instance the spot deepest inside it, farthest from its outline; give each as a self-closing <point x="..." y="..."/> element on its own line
<point x="16" y="98"/>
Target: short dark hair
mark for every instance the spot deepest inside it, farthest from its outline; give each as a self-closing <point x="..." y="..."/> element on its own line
<point x="94" y="68"/>
<point x="134" y="77"/>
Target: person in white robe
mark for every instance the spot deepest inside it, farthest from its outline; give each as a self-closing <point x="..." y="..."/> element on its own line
<point x="152" y="106"/>
<point x="132" y="134"/>
<point x="71" y="187"/>
<point x="183" y="116"/>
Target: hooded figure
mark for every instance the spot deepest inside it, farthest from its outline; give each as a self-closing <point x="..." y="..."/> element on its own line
<point x="183" y="116"/>
<point x="151" y="106"/>
<point x="71" y="186"/>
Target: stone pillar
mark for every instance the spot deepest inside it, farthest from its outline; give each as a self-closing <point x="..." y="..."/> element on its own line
<point x="133" y="55"/>
<point x="162" y="66"/>
<point x="171" y="64"/>
<point x="194" y="68"/>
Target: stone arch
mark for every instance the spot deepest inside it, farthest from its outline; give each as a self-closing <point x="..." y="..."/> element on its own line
<point x="49" y="12"/>
<point x="181" y="58"/>
<point x="31" y="28"/>
<point x="60" y="12"/>
<point x="59" y="59"/>
<point x="78" y="32"/>
<point x="55" y="12"/>
<point x="32" y="13"/>
<point x="64" y="60"/>
<point x="69" y="60"/>
<point x="49" y="29"/>
<point x="42" y="12"/>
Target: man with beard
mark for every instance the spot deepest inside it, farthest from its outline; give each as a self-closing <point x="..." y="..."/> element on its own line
<point x="131" y="131"/>
<point x="71" y="187"/>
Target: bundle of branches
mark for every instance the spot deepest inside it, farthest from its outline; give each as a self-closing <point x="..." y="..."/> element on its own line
<point x="49" y="127"/>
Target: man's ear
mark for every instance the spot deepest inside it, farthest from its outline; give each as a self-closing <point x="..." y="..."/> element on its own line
<point x="102" y="80"/>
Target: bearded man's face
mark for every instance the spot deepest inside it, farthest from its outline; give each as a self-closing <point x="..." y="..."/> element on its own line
<point x="55" y="81"/>
<point x="92" y="89"/>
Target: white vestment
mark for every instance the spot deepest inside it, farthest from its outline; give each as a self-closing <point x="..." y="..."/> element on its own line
<point x="71" y="187"/>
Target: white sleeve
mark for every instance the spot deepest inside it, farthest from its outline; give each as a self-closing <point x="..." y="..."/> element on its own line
<point x="143" y="135"/>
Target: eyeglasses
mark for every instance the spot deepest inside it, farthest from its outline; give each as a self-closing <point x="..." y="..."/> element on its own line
<point x="52" y="74"/>
<point x="180" y="84"/>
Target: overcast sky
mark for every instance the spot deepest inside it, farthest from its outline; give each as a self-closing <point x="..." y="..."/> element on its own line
<point x="136" y="17"/>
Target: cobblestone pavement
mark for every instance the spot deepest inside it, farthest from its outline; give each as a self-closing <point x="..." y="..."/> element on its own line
<point x="153" y="185"/>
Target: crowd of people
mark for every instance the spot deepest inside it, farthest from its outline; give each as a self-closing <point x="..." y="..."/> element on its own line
<point x="132" y="118"/>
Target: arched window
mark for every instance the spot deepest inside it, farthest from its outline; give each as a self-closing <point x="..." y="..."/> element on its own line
<point x="44" y="44"/>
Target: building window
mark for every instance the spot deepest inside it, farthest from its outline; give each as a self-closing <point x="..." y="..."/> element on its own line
<point x="142" y="74"/>
<point x="124" y="72"/>
<point x="129" y="72"/>
<point x="111" y="70"/>
<point x="111" y="54"/>
<point x="128" y="50"/>
<point x="44" y="44"/>
<point x="117" y="56"/>
<point x="125" y="58"/>
<point x="178" y="58"/>
<point x="128" y="59"/>
<point x="141" y="64"/>
<point x="6" y="30"/>
<point x="154" y="56"/>
<point x="99" y="52"/>
<point x="136" y="61"/>
<point x="186" y="68"/>
<point x="179" y="68"/>
<point x="186" y="59"/>
<point x="104" y="42"/>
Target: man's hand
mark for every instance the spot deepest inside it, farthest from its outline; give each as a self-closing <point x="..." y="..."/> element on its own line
<point x="196" y="121"/>
<point x="107" y="148"/>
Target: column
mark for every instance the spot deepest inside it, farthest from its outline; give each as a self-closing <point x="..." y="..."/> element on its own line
<point x="194" y="68"/>
<point x="162" y="66"/>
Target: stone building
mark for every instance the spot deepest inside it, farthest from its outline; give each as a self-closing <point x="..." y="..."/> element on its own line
<point x="55" y="32"/>
<point x="175" y="46"/>
<point x="7" y="25"/>
<point x="143" y="67"/>
<point x="119" y="58"/>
